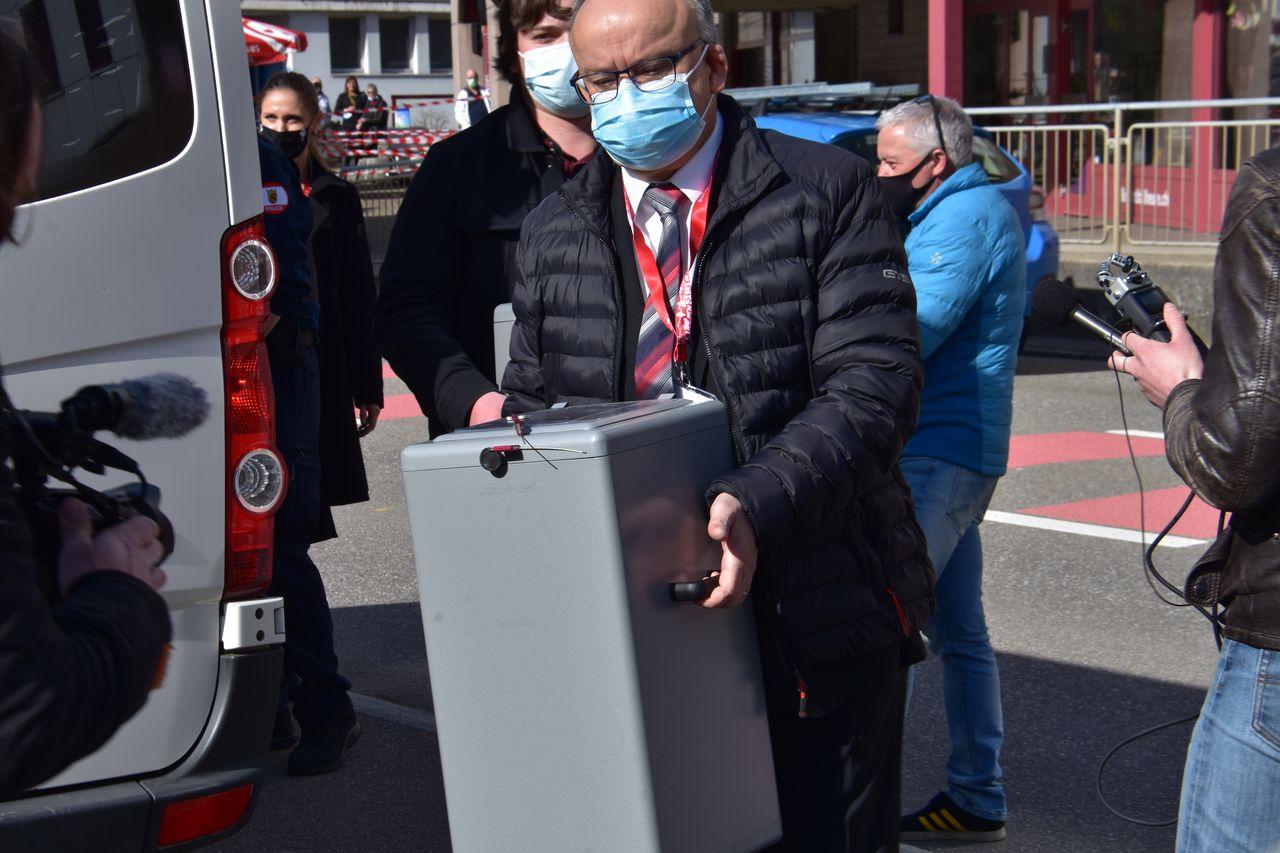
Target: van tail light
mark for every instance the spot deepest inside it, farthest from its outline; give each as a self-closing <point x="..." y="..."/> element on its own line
<point x="1035" y="201"/>
<point x="256" y="474"/>
<point x="187" y="820"/>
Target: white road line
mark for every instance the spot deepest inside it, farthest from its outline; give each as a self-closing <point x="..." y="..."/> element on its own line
<point x="1080" y="528"/>
<point x="414" y="718"/>
<point x="1138" y="433"/>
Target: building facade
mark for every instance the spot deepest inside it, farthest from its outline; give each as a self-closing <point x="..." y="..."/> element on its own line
<point x="406" y="49"/>
<point x="1013" y="52"/>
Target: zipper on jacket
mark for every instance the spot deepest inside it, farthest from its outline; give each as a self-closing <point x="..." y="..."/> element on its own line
<point x="620" y="339"/>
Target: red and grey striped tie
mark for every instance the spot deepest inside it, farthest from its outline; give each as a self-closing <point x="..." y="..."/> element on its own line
<point x="654" y="350"/>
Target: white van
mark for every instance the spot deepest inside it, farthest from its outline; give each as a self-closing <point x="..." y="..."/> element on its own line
<point x="145" y="254"/>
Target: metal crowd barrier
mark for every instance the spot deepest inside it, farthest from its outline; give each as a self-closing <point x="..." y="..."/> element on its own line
<point x="1112" y="179"/>
<point x="382" y="188"/>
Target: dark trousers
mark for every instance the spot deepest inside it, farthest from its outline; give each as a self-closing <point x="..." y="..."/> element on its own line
<point x="311" y="678"/>
<point x="839" y="774"/>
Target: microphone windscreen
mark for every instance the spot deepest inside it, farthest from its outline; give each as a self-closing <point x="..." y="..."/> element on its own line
<point x="1052" y="301"/>
<point x="162" y="406"/>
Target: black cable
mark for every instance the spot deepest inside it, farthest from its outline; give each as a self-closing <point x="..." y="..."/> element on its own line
<point x="1150" y="572"/>
<point x="1103" y="766"/>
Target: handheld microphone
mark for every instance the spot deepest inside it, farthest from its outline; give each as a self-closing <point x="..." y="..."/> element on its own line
<point x="163" y="405"/>
<point x="1055" y="302"/>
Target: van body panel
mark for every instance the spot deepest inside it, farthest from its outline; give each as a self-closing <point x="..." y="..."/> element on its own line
<point x="239" y="126"/>
<point x="119" y="281"/>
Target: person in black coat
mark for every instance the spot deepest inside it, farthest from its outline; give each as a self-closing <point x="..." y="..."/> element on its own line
<point x="803" y="323"/>
<point x="350" y="366"/>
<point x="449" y="263"/>
<point x="72" y="673"/>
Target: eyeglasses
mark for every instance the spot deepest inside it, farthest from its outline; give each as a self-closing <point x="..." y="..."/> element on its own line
<point x="648" y="75"/>
<point x="937" y="119"/>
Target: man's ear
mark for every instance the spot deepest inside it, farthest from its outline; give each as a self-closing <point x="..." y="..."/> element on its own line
<point x="718" y="65"/>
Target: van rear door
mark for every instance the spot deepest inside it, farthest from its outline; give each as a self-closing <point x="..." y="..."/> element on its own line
<point x="117" y="276"/>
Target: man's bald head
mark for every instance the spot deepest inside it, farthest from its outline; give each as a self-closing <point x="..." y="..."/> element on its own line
<point x="700" y="10"/>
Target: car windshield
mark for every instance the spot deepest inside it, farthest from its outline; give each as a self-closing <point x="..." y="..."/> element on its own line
<point x="998" y="165"/>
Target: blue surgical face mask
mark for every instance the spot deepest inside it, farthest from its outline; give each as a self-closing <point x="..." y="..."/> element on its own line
<point x="649" y="130"/>
<point x="547" y="72"/>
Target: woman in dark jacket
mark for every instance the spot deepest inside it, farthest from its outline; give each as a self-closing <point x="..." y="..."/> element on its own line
<point x="350" y="368"/>
<point x="350" y="109"/>
<point x="72" y="673"/>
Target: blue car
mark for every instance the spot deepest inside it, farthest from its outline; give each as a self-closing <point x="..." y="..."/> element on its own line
<point x="857" y="133"/>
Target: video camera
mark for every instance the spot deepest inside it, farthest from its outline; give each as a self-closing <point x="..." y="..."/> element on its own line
<point x="53" y="445"/>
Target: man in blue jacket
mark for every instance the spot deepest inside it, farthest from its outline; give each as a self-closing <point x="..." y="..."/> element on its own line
<point x="967" y="257"/>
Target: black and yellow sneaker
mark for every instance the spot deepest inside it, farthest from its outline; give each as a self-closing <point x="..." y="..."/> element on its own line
<point x="943" y="820"/>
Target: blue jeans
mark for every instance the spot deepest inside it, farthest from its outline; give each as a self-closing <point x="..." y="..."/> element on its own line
<point x="950" y="502"/>
<point x="1231" y="786"/>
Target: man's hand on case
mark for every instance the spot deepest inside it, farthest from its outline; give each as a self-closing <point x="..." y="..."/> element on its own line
<point x="730" y="527"/>
<point x="487" y="408"/>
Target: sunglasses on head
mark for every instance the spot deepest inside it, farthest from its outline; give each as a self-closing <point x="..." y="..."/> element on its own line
<point x="937" y="118"/>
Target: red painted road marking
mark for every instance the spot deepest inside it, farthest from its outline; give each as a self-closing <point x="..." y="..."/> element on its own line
<point x="1050" y="448"/>
<point x="387" y="372"/>
<point x="1200" y="522"/>
<point x="401" y="406"/>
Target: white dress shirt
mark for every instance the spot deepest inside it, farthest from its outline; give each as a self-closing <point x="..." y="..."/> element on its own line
<point x="692" y="179"/>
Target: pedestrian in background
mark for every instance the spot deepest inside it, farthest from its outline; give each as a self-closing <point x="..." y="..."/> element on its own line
<point x="318" y="692"/>
<point x="967" y="255"/>
<point x="350" y="110"/>
<point x="376" y="117"/>
<point x="1220" y="417"/>
<point x="472" y="102"/>
<point x="450" y="260"/>
<point x="803" y="323"/>
<point x="326" y="111"/>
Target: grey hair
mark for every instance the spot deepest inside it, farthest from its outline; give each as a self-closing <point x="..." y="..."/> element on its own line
<point x="703" y="17"/>
<point x="916" y="121"/>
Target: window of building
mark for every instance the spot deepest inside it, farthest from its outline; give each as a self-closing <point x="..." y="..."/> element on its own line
<point x="346" y="46"/>
<point x="117" y="87"/>
<point x="440" y="45"/>
<point x="396" y="37"/>
<point x="896" y="15"/>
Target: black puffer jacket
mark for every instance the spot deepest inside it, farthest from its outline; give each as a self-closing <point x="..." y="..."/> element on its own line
<point x="1222" y="432"/>
<point x="806" y="328"/>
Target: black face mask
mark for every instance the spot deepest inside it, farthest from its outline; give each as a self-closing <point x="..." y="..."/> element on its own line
<point x="291" y="142"/>
<point x="897" y="190"/>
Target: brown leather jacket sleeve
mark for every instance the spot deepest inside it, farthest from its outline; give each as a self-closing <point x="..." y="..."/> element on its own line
<point x="1222" y="433"/>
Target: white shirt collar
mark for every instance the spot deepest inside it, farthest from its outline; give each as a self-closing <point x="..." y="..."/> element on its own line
<point x="692" y="178"/>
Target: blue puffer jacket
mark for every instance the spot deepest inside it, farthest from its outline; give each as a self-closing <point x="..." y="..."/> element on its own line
<point x="969" y="264"/>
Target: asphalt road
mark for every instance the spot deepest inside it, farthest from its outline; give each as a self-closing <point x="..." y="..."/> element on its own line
<point x="1088" y="654"/>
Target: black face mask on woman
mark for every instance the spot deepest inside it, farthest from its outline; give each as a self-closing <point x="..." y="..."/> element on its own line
<point x="291" y="142"/>
<point x="899" y="192"/>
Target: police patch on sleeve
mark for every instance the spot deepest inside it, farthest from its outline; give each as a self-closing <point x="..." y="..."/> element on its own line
<point x="275" y="200"/>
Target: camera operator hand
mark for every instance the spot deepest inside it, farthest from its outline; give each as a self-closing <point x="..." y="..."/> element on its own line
<point x="132" y="547"/>
<point x="1159" y="368"/>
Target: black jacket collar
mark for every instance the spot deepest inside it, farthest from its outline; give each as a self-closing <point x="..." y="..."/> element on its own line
<point x="746" y="169"/>
<point x="522" y="131"/>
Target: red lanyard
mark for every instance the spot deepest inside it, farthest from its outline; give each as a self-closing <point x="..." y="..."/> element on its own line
<point x="681" y="325"/>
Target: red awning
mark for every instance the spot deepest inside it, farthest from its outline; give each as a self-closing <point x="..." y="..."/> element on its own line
<point x="268" y="44"/>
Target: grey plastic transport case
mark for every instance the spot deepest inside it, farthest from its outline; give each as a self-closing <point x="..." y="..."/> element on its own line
<point x="579" y="708"/>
